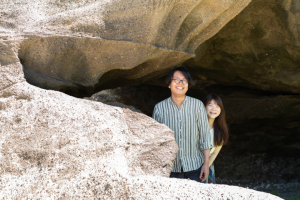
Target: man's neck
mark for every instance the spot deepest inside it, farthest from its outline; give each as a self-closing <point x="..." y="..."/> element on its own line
<point x="178" y="100"/>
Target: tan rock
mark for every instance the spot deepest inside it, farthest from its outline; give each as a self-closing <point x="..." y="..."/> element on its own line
<point x="80" y="46"/>
<point x="258" y="49"/>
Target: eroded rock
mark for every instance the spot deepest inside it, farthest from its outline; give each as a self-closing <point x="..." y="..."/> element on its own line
<point x="257" y="49"/>
<point x="54" y="145"/>
<point x="84" y="46"/>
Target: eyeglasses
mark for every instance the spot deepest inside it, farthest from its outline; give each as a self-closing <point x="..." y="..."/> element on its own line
<point x="184" y="81"/>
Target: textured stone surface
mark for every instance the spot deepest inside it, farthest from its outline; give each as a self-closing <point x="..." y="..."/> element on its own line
<point x="10" y="70"/>
<point x="82" y="46"/>
<point x="51" y="137"/>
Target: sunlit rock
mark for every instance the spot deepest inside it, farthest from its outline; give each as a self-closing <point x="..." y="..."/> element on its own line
<point x="84" y="46"/>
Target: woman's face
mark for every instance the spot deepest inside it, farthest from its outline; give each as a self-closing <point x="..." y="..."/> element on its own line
<point x="213" y="110"/>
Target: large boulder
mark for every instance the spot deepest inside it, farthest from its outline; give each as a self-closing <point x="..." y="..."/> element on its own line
<point x="51" y="141"/>
<point x="80" y="47"/>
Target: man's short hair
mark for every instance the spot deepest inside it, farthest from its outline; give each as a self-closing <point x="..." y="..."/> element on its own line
<point x="183" y="70"/>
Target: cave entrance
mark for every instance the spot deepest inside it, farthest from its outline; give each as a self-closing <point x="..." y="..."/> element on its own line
<point x="264" y="146"/>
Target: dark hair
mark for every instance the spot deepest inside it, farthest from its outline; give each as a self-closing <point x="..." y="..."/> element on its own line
<point x="183" y="70"/>
<point x="221" y="132"/>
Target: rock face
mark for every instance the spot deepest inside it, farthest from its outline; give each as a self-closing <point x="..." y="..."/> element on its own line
<point x="258" y="49"/>
<point x="56" y="146"/>
<point x="51" y="142"/>
<point x="83" y="46"/>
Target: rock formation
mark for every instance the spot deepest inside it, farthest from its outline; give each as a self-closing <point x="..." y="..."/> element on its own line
<point x="56" y="146"/>
<point x="252" y="63"/>
<point x="84" y="46"/>
<point x="258" y="49"/>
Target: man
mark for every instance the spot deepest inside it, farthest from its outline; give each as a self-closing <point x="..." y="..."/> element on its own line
<point x="187" y="117"/>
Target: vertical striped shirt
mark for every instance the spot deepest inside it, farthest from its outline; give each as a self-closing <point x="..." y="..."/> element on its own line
<point x="191" y="129"/>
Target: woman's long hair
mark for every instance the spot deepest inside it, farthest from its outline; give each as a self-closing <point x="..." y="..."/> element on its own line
<point x="221" y="132"/>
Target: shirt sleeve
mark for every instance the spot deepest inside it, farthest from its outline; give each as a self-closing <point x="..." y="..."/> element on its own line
<point x="205" y="136"/>
<point x="156" y="114"/>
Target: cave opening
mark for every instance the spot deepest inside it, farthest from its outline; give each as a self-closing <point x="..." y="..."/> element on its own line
<point x="264" y="125"/>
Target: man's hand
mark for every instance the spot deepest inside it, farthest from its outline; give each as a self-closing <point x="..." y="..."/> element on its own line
<point x="205" y="167"/>
<point x="204" y="172"/>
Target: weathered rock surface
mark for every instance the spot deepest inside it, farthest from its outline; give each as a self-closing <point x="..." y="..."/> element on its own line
<point x="82" y="46"/>
<point x="54" y="145"/>
<point x="258" y="49"/>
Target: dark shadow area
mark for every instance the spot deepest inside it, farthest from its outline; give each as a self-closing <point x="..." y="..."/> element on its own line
<point x="264" y="130"/>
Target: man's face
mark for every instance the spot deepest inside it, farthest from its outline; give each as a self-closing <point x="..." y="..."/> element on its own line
<point x="178" y="88"/>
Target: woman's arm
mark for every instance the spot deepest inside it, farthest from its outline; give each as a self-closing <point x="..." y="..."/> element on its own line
<point x="213" y="156"/>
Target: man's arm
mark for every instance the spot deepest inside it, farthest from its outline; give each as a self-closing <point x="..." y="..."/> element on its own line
<point x="205" y="140"/>
<point x="203" y="127"/>
<point x="205" y="167"/>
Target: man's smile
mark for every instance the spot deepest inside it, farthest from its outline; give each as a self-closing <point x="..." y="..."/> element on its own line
<point x="180" y="88"/>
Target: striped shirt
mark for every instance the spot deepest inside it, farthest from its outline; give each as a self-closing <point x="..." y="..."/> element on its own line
<point x="191" y="129"/>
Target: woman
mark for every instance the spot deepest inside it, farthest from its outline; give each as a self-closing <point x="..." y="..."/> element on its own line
<point x="218" y="129"/>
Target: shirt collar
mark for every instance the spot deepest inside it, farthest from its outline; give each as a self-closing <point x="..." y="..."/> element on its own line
<point x="174" y="104"/>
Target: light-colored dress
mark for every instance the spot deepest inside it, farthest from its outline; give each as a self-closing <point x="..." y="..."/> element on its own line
<point x="211" y="176"/>
<point x="212" y="141"/>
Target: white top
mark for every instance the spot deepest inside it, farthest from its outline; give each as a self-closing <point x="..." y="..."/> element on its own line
<point x="212" y="141"/>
